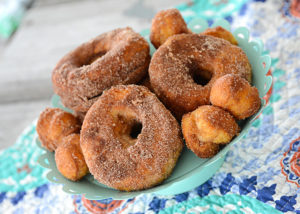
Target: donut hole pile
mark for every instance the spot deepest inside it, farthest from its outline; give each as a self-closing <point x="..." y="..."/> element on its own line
<point x="207" y="128"/>
<point x="128" y="106"/>
<point x="59" y="131"/>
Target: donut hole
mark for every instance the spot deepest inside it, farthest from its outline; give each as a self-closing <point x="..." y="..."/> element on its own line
<point x="201" y="77"/>
<point x="136" y="129"/>
<point x="126" y="127"/>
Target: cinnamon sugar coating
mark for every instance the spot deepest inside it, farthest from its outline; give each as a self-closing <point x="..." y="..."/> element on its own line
<point x="166" y="23"/>
<point x="207" y="127"/>
<point x="69" y="158"/>
<point x="117" y="57"/>
<point x="220" y="33"/>
<point x="236" y="95"/>
<point x="120" y="160"/>
<point x="53" y="125"/>
<point x="182" y="59"/>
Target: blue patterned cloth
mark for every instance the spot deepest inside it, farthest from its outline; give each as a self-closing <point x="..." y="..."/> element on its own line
<point x="261" y="174"/>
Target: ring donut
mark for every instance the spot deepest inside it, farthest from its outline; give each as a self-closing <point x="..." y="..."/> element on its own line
<point x="117" y="57"/>
<point x="130" y="141"/>
<point x="179" y="67"/>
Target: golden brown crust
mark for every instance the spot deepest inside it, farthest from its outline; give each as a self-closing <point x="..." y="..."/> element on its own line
<point x="69" y="158"/>
<point x="53" y="125"/>
<point x="175" y="64"/>
<point x="207" y="127"/>
<point x="166" y="23"/>
<point x="201" y="149"/>
<point x="220" y="33"/>
<point x="120" y="56"/>
<point x="235" y="94"/>
<point x="120" y="160"/>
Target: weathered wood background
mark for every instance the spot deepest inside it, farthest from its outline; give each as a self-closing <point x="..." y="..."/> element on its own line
<point x="50" y="29"/>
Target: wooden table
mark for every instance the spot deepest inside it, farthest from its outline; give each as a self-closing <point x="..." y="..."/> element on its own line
<point x="48" y="31"/>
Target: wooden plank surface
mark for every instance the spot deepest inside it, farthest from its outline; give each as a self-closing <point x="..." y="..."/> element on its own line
<point x="49" y="30"/>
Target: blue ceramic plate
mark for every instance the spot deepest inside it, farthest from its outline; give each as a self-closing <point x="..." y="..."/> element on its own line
<point x="190" y="170"/>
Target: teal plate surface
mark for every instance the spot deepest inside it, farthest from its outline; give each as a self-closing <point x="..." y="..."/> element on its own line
<point x="190" y="170"/>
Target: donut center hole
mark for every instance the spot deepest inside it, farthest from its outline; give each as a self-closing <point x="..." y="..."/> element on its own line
<point x="126" y="127"/>
<point x="93" y="58"/>
<point x="136" y="129"/>
<point x="201" y="77"/>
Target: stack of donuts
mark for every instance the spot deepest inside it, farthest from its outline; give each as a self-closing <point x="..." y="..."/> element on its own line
<point x="127" y="106"/>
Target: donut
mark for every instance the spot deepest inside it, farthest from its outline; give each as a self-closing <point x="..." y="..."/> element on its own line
<point x="69" y="158"/>
<point x="220" y="33"/>
<point x="206" y="128"/>
<point x="120" y="56"/>
<point x="129" y="140"/>
<point x="166" y="23"/>
<point x="53" y="125"/>
<point x="180" y="67"/>
<point x="234" y="94"/>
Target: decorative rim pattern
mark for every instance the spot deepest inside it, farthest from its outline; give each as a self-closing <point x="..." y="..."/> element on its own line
<point x="259" y="62"/>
